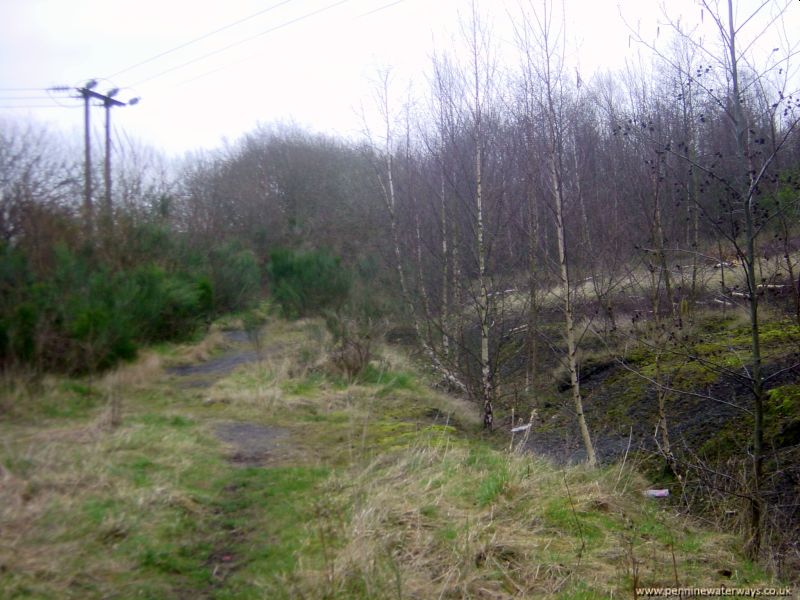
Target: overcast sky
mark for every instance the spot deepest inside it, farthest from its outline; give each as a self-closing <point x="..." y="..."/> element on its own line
<point x="304" y="61"/>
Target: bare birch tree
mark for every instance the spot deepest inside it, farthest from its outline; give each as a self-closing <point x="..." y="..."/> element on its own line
<point x="742" y="174"/>
<point x="540" y="40"/>
<point x="480" y="78"/>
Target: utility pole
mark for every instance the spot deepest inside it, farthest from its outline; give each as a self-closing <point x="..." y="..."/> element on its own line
<point x="88" y="218"/>
<point x="109" y="102"/>
<point x="87" y="93"/>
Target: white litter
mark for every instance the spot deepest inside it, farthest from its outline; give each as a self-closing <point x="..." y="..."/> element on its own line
<point x="521" y="428"/>
<point x="657" y="493"/>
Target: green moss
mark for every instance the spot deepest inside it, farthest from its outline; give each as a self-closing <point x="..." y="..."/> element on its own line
<point x="386" y="434"/>
<point x="729" y="440"/>
<point x="441" y="430"/>
<point x="776" y="337"/>
<point x="784" y="401"/>
<point x="779" y="332"/>
<point x="626" y="389"/>
<point x="690" y="375"/>
<point x="638" y="355"/>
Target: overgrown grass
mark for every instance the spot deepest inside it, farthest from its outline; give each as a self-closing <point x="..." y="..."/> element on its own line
<point x="384" y="489"/>
<point x="464" y="520"/>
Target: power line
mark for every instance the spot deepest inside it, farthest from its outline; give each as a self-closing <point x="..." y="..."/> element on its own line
<point x="24" y="106"/>
<point x="62" y="88"/>
<point x="120" y="145"/>
<point x="24" y="97"/>
<point x="22" y="89"/>
<point x="230" y="64"/>
<point x="380" y="8"/>
<point x="243" y="41"/>
<point x="202" y="37"/>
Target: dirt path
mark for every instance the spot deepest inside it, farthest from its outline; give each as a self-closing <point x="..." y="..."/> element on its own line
<point x="247" y="445"/>
<point x="239" y="352"/>
<point x="252" y="444"/>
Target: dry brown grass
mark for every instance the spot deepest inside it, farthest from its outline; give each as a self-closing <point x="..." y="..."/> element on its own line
<point x="413" y="508"/>
<point x="203" y="350"/>
<point x="138" y="374"/>
<point x="69" y="495"/>
<point x="420" y="523"/>
<point x="637" y="281"/>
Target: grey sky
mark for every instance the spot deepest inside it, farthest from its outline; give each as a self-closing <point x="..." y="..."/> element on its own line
<point x="308" y="61"/>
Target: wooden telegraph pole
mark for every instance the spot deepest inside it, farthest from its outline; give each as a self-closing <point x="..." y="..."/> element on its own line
<point x="88" y="217"/>
<point x="86" y="92"/>
<point x="108" y="102"/>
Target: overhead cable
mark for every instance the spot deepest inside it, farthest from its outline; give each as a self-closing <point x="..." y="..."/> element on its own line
<point x="243" y="41"/>
<point x="198" y="39"/>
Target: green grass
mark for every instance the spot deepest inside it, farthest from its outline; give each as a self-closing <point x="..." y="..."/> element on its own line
<point x="76" y="400"/>
<point x="164" y="420"/>
<point x="153" y="521"/>
<point x="580" y="591"/>
<point x="306" y="386"/>
<point x="491" y="487"/>
<point x="560" y="514"/>
<point x="274" y="506"/>
<point x="374" y="495"/>
<point x="387" y="380"/>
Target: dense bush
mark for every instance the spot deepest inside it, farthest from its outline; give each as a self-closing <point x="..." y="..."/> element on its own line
<point x="80" y="314"/>
<point x="166" y="306"/>
<point x="234" y="277"/>
<point x="307" y="283"/>
<point x="76" y="317"/>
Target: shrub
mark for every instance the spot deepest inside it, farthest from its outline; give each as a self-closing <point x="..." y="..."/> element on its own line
<point x="82" y="316"/>
<point x="95" y="309"/>
<point x="165" y="306"/>
<point x="149" y="242"/>
<point x="352" y="355"/>
<point x="16" y="319"/>
<point x="307" y="283"/>
<point x="234" y="277"/>
<point x="353" y="343"/>
<point x="84" y="311"/>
